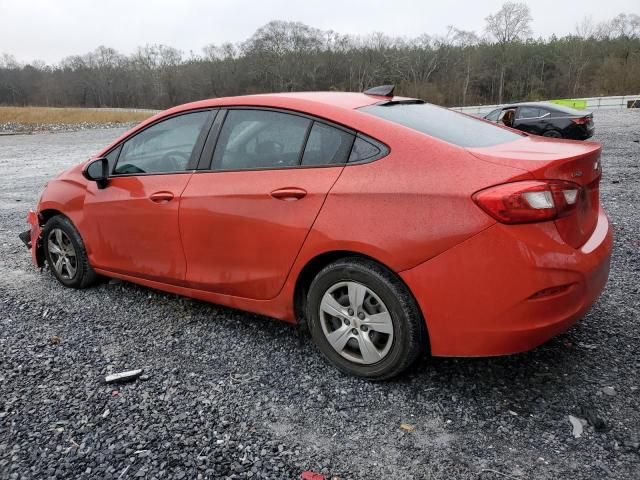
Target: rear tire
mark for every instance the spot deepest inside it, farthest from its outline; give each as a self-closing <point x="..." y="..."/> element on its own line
<point x="552" y="134"/>
<point x="66" y="254"/>
<point x="364" y="320"/>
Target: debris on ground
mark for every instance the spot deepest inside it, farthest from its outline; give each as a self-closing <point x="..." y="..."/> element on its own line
<point x="407" y="427"/>
<point x="55" y="339"/>
<point x="312" y="476"/>
<point x="578" y="425"/>
<point x="122" y="377"/>
<point x="609" y="391"/>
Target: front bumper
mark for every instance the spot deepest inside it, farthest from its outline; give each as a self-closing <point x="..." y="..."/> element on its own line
<point x="31" y="238"/>
<point x="509" y="288"/>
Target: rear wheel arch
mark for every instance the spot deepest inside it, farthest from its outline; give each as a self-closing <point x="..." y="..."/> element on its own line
<point x="317" y="263"/>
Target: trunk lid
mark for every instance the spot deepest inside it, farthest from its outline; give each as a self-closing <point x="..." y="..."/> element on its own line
<point x="549" y="159"/>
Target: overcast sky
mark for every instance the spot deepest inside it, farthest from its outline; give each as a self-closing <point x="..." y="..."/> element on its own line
<point x="50" y="30"/>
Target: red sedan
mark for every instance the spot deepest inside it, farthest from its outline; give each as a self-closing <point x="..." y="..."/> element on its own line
<point x="389" y="225"/>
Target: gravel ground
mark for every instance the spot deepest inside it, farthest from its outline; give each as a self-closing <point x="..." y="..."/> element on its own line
<point x="227" y="394"/>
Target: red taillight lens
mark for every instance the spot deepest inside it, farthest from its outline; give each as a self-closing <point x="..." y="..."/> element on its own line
<point x="529" y="201"/>
<point x="581" y="121"/>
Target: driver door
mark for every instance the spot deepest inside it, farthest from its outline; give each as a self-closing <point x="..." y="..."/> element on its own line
<point x="132" y="224"/>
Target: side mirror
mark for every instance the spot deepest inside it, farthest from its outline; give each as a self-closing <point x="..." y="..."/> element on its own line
<point x="98" y="171"/>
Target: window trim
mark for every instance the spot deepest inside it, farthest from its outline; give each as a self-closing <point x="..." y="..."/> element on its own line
<point x="205" y="165"/>
<point x="532" y="118"/>
<point x="195" y="154"/>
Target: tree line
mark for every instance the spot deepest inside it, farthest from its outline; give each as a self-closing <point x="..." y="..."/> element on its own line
<point x="502" y="63"/>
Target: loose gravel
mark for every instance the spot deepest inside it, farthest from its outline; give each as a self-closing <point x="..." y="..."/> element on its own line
<point x="15" y="128"/>
<point x="226" y="394"/>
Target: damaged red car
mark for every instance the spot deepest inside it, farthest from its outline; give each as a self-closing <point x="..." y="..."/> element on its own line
<point x="392" y="227"/>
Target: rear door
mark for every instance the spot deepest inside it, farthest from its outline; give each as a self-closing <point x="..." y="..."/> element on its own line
<point x="531" y="119"/>
<point x="245" y="217"/>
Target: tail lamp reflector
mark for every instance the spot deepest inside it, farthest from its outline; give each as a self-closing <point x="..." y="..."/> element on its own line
<point x="529" y="201"/>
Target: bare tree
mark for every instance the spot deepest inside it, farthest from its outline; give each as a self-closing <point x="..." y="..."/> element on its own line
<point x="452" y="69"/>
<point x="467" y="41"/>
<point x="509" y="24"/>
<point x="586" y="28"/>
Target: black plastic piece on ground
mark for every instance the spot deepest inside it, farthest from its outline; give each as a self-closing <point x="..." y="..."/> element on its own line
<point x="26" y="238"/>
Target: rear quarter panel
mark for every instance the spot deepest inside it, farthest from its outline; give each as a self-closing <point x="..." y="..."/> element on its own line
<point x="409" y="206"/>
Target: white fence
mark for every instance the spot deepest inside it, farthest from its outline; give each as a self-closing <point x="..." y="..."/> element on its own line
<point x="593" y="103"/>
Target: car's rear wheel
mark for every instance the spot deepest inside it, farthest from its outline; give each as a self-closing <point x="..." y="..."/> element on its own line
<point x="552" y="134"/>
<point x="364" y="320"/>
<point x="66" y="254"/>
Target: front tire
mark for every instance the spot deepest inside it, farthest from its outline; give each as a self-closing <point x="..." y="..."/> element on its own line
<point x="364" y="320"/>
<point x="66" y="254"/>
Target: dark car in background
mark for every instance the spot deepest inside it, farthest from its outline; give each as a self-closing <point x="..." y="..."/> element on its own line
<point x="546" y="119"/>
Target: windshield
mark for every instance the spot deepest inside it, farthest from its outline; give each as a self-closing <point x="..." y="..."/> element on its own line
<point x="444" y="124"/>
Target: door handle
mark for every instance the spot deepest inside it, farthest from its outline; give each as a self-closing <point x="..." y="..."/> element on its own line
<point x="289" y="194"/>
<point x="161" y="197"/>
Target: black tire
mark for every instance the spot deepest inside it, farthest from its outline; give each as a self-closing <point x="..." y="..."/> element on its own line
<point x="552" y="134"/>
<point x="409" y="331"/>
<point x="84" y="275"/>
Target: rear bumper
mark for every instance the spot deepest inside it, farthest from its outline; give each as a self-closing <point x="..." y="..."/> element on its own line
<point x="509" y="288"/>
<point x="580" y="132"/>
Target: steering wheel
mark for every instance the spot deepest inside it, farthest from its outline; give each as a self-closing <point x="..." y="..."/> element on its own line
<point x="173" y="161"/>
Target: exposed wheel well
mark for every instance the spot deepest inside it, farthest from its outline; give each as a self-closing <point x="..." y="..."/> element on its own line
<point x="311" y="269"/>
<point x="45" y="215"/>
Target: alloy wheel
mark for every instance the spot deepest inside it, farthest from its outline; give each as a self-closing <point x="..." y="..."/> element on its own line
<point x="356" y="322"/>
<point x="62" y="253"/>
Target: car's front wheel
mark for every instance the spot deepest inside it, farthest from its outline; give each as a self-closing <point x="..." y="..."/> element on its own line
<point x="364" y="320"/>
<point x="66" y="254"/>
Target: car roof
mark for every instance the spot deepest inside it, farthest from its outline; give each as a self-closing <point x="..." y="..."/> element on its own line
<point x="304" y="101"/>
<point x="338" y="107"/>
<point x="552" y="106"/>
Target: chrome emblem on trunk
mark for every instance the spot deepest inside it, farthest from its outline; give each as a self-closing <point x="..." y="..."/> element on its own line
<point x="577" y="173"/>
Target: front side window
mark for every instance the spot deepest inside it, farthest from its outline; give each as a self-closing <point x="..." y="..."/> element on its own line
<point x="112" y="157"/>
<point x="444" y="124"/>
<point x="327" y="146"/>
<point x="260" y="139"/>
<point x="164" y="147"/>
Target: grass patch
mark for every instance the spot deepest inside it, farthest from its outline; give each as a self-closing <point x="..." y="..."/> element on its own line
<point x="68" y="116"/>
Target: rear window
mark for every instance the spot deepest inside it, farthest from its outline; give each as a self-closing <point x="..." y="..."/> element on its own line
<point x="447" y="125"/>
<point x="568" y="110"/>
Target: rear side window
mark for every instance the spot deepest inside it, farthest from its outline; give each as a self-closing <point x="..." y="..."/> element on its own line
<point x="327" y="145"/>
<point x="493" y="116"/>
<point x="444" y="124"/>
<point x="363" y="150"/>
<point x="260" y="139"/>
<point x="164" y="147"/>
<point x="530" y="112"/>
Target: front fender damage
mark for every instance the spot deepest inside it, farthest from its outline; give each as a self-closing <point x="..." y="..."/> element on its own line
<point x="34" y="239"/>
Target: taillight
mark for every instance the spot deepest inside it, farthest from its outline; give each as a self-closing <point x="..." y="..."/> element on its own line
<point x="529" y="201"/>
<point x="581" y="120"/>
